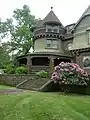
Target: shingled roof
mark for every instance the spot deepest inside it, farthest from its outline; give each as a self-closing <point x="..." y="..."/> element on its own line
<point x="51" y="18"/>
<point x="87" y="12"/>
<point x="39" y="23"/>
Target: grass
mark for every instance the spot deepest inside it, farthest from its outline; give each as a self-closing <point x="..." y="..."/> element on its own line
<point x="44" y="106"/>
<point x="5" y="87"/>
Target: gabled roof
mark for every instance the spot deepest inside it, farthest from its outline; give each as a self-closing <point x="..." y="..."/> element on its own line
<point x="51" y="18"/>
<point x="86" y="13"/>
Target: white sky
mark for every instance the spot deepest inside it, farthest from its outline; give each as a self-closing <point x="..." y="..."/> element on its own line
<point x="68" y="11"/>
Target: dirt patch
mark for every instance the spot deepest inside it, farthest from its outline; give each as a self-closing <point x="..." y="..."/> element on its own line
<point x="11" y="91"/>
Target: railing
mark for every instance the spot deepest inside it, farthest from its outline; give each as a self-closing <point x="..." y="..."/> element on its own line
<point x="38" y="68"/>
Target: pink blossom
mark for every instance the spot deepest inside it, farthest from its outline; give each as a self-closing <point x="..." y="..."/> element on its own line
<point x="72" y="69"/>
<point x="65" y="82"/>
<point x="62" y="81"/>
<point x="55" y="73"/>
<point x="61" y="70"/>
<point x="66" y="70"/>
<point x="57" y="68"/>
<point x="73" y="65"/>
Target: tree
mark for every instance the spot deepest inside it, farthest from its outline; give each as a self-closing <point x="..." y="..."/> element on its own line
<point x="4" y="55"/>
<point x="18" y="29"/>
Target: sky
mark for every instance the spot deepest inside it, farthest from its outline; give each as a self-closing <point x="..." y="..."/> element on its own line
<point x="68" y="11"/>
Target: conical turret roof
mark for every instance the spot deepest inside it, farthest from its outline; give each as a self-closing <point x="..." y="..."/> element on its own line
<point x="51" y="18"/>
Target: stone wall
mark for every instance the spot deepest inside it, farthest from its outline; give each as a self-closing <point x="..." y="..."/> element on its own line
<point x="32" y="81"/>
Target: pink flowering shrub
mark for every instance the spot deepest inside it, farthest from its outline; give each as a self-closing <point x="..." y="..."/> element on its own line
<point x="69" y="73"/>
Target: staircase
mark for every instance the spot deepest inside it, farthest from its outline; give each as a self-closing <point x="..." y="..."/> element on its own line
<point x="34" y="83"/>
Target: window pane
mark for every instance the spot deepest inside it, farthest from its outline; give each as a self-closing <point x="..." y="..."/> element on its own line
<point x="89" y="37"/>
<point x="52" y="29"/>
<point x="55" y="30"/>
<point x="69" y="46"/>
<point x="55" y="27"/>
<point x="48" y="43"/>
<point x="54" y="44"/>
<point x="89" y="34"/>
<point x="49" y="29"/>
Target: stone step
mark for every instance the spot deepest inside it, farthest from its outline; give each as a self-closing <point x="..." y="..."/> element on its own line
<point x="18" y="85"/>
<point x="32" y="84"/>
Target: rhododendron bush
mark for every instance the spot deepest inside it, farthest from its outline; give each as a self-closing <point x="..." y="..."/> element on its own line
<point x="69" y="73"/>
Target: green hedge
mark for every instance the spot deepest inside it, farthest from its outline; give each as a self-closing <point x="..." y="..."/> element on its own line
<point x="42" y="74"/>
<point x="21" y="70"/>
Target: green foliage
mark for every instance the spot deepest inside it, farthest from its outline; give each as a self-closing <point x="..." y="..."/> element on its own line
<point x="18" y="29"/>
<point x="21" y="70"/>
<point x="4" y="56"/>
<point x="42" y="74"/>
<point x="9" y="69"/>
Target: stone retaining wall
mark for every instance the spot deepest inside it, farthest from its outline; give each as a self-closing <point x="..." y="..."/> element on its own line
<point x="32" y="81"/>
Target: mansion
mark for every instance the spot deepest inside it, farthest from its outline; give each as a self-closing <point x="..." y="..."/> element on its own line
<point x="54" y="43"/>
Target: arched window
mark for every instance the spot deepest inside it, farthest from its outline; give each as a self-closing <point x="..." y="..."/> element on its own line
<point x="69" y="46"/>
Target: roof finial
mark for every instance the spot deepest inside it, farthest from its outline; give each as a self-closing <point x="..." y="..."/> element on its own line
<point x="51" y="8"/>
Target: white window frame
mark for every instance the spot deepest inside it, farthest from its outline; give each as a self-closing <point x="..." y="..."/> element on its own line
<point x="54" y="44"/>
<point x="52" y="28"/>
<point x="89" y="37"/>
<point x="48" y="42"/>
<point x="52" y="41"/>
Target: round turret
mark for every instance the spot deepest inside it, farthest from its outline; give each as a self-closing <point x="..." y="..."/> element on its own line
<point x="50" y="26"/>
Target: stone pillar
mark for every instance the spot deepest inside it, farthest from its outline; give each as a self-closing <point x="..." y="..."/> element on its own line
<point x="51" y="65"/>
<point x="29" y="64"/>
<point x="73" y="59"/>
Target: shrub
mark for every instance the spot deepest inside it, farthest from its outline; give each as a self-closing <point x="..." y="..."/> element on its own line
<point x="21" y="70"/>
<point x="9" y="69"/>
<point x="69" y="73"/>
<point x="42" y="74"/>
<point x="1" y="72"/>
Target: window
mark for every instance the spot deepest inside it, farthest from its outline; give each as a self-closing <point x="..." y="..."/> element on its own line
<point x="52" y="29"/>
<point x="89" y="37"/>
<point x="52" y="44"/>
<point x="49" y="43"/>
<point x="69" y="46"/>
<point x="49" y="30"/>
<point x="55" y="30"/>
<point x="86" y="62"/>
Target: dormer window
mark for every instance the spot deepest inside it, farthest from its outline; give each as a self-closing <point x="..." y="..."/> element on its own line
<point x="54" y="29"/>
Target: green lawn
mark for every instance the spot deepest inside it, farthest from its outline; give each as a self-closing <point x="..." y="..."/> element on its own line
<point x="5" y="87"/>
<point x="44" y="106"/>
